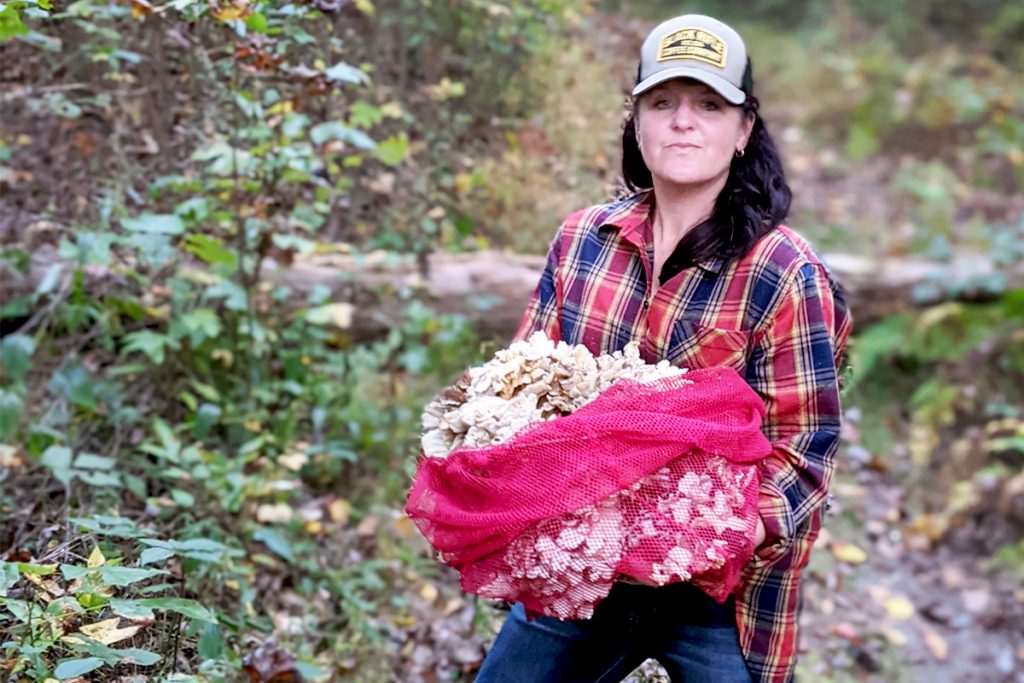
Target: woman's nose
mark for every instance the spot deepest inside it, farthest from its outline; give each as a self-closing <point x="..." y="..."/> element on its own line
<point x="683" y="116"/>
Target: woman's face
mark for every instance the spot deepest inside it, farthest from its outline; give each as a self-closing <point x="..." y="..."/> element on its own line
<point x="688" y="133"/>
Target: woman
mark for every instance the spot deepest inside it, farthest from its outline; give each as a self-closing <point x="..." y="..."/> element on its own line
<point x="697" y="266"/>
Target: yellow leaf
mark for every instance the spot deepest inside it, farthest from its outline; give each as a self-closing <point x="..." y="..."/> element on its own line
<point x="898" y="607"/>
<point x="848" y="553"/>
<point x="405" y="526"/>
<point x="319" y="65"/>
<point x="338" y="314"/>
<point x="365" y="6"/>
<point x="314" y="527"/>
<point x="282" y="107"/>
<point x="936" y="644"/>
<point x="279" y="513"/>
<point x="429" y="592"/>
<point x="339" y="510"/>
<point x="236" y="10"/>
<point x="463" y="183"/>
<point x="107" y="631"/>
<point x="10" y="456"/>
<point x="895" y="637"/>
<point x="96" y="558"/>
<point x="50" y="587"/>
<point x="252" y="425"/>
<point x="226" y="358"/>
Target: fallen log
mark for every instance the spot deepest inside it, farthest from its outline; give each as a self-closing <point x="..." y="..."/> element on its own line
<point x="492" y="288"/>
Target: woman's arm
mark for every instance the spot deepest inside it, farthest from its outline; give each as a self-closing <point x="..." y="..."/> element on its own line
<point x="543" y="311"/>
<point x="793" y="366"/>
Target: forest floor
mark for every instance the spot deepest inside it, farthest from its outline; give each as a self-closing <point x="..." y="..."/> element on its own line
<point x="880" y="605"/>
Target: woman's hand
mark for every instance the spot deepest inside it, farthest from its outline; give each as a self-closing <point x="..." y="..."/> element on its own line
<point x="759" y="533"/>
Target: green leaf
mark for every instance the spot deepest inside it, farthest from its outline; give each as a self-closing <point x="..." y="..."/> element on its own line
<point x="364" y="115"/>
<point x="50" y="280"/>
<point x="183" y="498"/>
<point x="131" y="609"/>
<point x="9" y="576"/>
<point x="153" y="344"/>
<point x="10" y="23"/>
<point x="106" y="525"/>
<point x="126" y="576"/>
<point x="73" y="383"/>
<point x="335" y="130"/>
<point x="155" y="223"/>
<point x="11" y="405"/>
<point x="393" y="149"/>
<point x="202" y="324"/>
<point x="183" y="606"/>
<point x="72" y="668"/>
<point x="211" y="642"/>
<point x="100" y="478"/>
<point x="23" y="611"/>
<point x="58" y="460"/>
<point x="863" y="141"/>
<point x="72" y="572"/>
<point x="152" y="555"/>
<point x="211" y="249"/>
<point x="274" y="540"/>
<point x="346" y="73"/>
<point x="16" y="355"/>
<point x="138" y="656"/>
<point x="256" y="22"/>
<point x="91" y="461"/>
<point x="36" y="569"/>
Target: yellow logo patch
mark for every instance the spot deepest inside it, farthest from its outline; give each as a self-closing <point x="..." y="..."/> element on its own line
<point x="693" y="43"/>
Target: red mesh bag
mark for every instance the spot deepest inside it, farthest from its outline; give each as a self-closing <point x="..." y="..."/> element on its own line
<point x="654" y="482"/>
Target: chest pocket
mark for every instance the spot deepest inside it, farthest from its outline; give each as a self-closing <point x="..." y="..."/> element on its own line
<point x="692" y="345"/>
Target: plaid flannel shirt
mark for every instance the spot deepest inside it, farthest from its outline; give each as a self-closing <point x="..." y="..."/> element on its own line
<point x="777" y="317"/>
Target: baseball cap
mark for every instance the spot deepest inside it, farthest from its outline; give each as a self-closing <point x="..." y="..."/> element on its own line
<point x="699" y="47"/>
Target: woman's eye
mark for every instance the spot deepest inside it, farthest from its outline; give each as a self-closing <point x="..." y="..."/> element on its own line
<point x="711" y="105"/>
<point x="661" y="103"/>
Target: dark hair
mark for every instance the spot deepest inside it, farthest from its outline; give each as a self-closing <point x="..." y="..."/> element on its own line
<point x="754" y="201"/>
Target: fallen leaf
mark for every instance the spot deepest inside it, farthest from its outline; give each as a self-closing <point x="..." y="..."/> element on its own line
<point x="898" y="607"/>
<point x="96" y="558"/>
<point x="339" y="510"/>
<point x="368" y="526"/>
<point x="976" y="601"/>
<point x="293" y="460"/>
<point x="895" y="636"/>
<point x="936" y="644"/>
<point x="11" y="456"/>
<point x="269" y="663"/>
<point x="453" y="606"/>
<point x="848" y="552"/>
<point x="847" y="631"/>
<point x="406" y="527"/>
<point x="51" y="588"/>
<point x="107" y="631"/>
<point x="278" y="513"/>
<point x="429" y="592"/>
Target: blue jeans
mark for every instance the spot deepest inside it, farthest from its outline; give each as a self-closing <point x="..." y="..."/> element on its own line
<point x="689" y="634"/>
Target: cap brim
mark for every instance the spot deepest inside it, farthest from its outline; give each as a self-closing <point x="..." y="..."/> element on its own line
<point x="730" y="92"/>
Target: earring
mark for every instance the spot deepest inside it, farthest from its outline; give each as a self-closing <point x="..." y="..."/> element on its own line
<point x="740" y="153"/>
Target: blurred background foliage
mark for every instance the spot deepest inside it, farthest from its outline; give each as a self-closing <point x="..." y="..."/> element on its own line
<point x="214" y="458"/>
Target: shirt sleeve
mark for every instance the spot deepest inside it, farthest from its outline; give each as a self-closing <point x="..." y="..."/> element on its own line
<point x="543" y="312"/>
<point x="794" y="367"/>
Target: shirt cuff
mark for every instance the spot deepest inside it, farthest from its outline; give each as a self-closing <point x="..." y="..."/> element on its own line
<point x="777" y="515"/>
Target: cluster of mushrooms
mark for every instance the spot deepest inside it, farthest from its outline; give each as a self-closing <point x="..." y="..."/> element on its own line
<point x="530" y="381"/>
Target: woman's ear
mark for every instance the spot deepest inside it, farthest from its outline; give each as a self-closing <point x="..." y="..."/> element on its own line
<point x="748" y="128"/>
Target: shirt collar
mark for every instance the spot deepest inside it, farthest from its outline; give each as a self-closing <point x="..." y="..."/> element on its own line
<point x="632" y="220"/>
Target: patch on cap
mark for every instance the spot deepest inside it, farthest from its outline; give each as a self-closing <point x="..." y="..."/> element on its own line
<point x="693" y="43"/>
